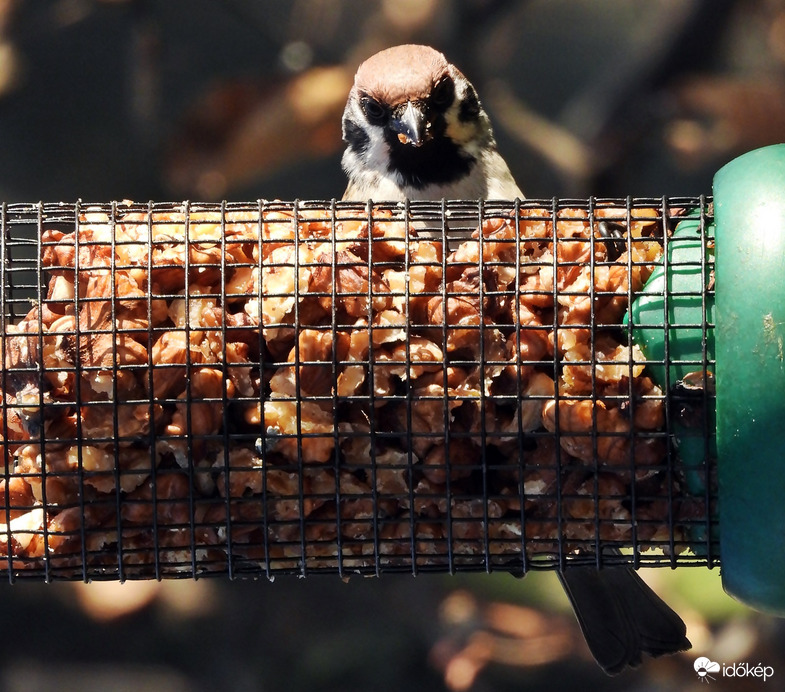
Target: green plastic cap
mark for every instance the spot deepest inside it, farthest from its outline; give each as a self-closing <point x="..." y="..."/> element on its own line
<point x="675" y="294"/>
<point x="683" y="352"/>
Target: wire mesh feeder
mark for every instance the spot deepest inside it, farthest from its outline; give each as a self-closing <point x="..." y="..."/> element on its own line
<point x="272" y="387"/>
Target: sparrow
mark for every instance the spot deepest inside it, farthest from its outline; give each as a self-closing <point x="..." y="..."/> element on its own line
<point x="414" y="128"/>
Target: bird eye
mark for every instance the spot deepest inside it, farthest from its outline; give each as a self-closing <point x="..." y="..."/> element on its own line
<point x="443" y="93"/>
<point x="374" y="111"/>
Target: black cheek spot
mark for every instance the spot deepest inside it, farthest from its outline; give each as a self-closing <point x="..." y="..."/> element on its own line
<point x="470" y="106"/>
<point x="355" y="136"/>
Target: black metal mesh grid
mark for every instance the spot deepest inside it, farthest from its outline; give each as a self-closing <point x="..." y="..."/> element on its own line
<point x="255" y="389"/>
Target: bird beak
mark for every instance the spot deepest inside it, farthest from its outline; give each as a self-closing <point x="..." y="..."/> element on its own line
<point x="410" y="124"/>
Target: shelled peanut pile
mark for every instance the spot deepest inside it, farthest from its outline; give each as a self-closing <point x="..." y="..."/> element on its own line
<point x="305" y="389"/>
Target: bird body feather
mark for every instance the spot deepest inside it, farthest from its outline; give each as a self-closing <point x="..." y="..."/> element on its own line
<point x="445" y="149"/>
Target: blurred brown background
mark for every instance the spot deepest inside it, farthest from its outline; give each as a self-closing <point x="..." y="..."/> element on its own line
<point x="240" y="99"/>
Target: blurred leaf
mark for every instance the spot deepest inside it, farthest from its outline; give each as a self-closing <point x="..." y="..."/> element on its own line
<point x="722" y="115"/>
<point x="239" y="132"/>
<point x="700" y="588"/>
<point x="538" y="588"/>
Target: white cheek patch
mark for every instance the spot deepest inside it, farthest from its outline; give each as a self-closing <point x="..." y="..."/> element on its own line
<point x="377" y="155"/>
<point x="460" y="132"/>
<point x="469" y="133"/>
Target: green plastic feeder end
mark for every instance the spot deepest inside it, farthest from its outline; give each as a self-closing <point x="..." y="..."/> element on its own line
<point x="749" y="210"/>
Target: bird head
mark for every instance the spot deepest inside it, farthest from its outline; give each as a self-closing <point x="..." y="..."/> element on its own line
<point x="413" y="115"/>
